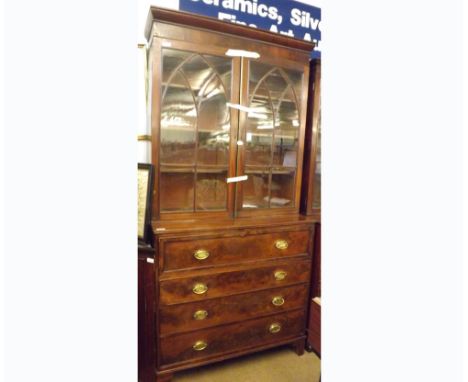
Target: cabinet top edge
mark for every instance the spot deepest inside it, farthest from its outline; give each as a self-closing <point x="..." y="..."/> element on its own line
<point x="169" y="227"/>
<point x="211" y="24"/>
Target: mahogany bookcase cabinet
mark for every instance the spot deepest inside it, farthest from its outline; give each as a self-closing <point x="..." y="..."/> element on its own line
<point x="232" y="252"/>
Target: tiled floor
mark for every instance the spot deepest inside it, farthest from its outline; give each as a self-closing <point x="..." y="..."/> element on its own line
<point x="276" y="365"/>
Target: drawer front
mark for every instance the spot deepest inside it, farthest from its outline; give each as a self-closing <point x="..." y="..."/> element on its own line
<point x="203" y="314"/>
<point x="221" y="284"/>
<point x="184" y="254"/>
<point x="229" y="338"/>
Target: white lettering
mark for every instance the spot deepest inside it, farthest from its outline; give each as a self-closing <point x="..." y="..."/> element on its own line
<point x="227" y="4"/>
<point x="255" y="5"/>
<point x="296" y="17"/>
<point x="313" y="23"/>
<point x="244" y="6"/>
<point x="272" y="13"/>
<point x="274" y="28"/>
<point x="262" y="10"/>
<point x="304" y="19"/>
<point x="307" y="37"/>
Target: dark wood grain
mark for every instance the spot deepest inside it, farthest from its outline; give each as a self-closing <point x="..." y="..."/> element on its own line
<point x="177" y="291"/>
<point x="180" y="318"/>
<point x="225" y="339"/>
<point x="179" y="254"/>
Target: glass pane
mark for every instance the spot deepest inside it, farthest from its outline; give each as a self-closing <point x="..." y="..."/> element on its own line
<point x="178" y="123"/>
<point x="211" y="191"/>
<point x="272" y="136"/>
<point x="213" y="114"/>
<point x="214" y="124"/>
<point x="223" y="67"/>
<point x="294" y="78"/>
<point x="259" y="132"/>
<point x="171" y="60"/>
<point x="176" y="189"/>
<point x="282" y="188"/>
<point x="255" y="188"/>
<point x="286" y="130"/>
<point x="195" y="131"/>
<point x="318" y="167"/>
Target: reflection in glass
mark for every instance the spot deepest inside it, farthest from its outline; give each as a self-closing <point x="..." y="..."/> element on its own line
<point x="211" y="192"/>
<point x="259" y="129"/>
<point x="282" y="189"/>
<point x="213" y="125"/>
<point x="195" y="122"/>
<point x="255" y="189"/>
<point x="272" y="131"/>
<point x="178" y="124"/>
<point x="286" y="130"/>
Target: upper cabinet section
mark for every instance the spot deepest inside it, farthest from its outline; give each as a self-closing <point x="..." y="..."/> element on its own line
<point x="227" y="129"/>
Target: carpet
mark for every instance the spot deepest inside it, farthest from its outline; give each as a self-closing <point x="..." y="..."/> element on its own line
<point x="274" y="365"/>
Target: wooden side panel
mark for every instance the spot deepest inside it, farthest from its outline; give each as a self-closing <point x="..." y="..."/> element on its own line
<point x="179" y="254"/>
<point x="146" y="323"/>
<point x="314" y="328"/>
<point x="311" y="138"/>
<point x="179" y="318"/>
<point x="316" y="288"/>
<point x="225" y="339"/>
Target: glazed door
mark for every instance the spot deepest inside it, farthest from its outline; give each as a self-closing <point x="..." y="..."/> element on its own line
<point x="198" y="131"/>
<point x="272" y="131"/>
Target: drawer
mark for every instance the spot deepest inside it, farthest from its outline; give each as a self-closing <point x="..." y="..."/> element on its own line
<point x="184" y="253"/>
<point x="230" y="338"/>
<point x="203" y="314"/>
<point x="211" y="285"/>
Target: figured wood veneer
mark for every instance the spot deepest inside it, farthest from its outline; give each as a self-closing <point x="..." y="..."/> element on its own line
<point x="225" y="339"/>
<point x="179" y="254"/>
<point x="180" y="318"/>
<point x="177" y="291"/>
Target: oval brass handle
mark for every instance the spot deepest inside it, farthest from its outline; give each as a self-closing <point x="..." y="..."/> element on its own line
<point x="280" y="275"/>
<point x="201" y="254"/>
<point x="200" y="315"/>
<point x="200" y="345"/>
<point x="281" y="244"/>
<point x="275" y="327"/>
<point x="199" y="288"/>
<point x="277" y="301"/>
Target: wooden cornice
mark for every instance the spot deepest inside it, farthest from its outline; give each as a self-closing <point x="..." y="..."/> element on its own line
<point x="209" y="23"/>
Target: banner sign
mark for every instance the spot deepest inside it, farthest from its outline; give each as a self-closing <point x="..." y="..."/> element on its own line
<point x="290" y="18"/>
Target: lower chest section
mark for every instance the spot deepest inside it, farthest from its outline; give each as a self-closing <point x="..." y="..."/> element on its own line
<point x="229" y="292"/>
